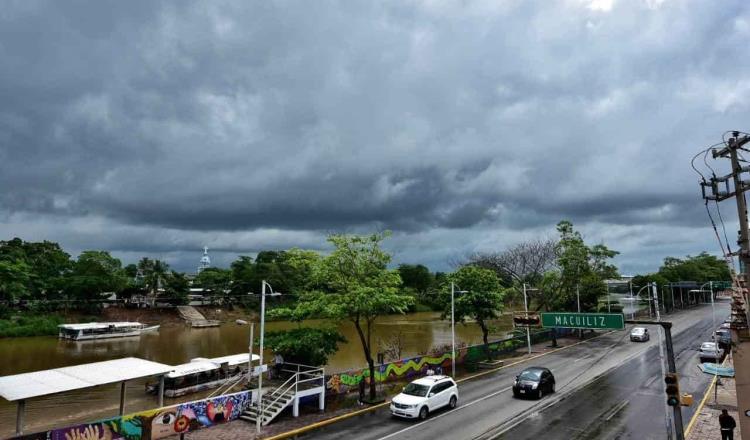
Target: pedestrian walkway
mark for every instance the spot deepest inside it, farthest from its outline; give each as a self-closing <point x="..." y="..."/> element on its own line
<point x="706" y="423"/>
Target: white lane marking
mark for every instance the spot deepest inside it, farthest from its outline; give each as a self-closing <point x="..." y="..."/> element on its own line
<point x="617" y="409"/>
<point x="446" y="413"/>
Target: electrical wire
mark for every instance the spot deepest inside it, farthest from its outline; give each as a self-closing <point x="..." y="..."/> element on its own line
<point x="723" y="226"/>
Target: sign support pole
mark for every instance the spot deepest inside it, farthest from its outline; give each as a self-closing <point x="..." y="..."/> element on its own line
<point x="670" y="368"/>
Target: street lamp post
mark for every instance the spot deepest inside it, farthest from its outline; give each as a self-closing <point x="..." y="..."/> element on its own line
<point x="453" y="327"/>
<point x="637" y="294"/>
<point x="260" y="352"/>
<point x="526" y="309"/>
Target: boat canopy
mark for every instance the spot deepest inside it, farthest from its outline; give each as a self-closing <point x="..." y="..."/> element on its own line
<point x="93" y="325"/>
<point x="191" y="368"/>
<point x="233" y="359"/>
<point x="42" y="383"/>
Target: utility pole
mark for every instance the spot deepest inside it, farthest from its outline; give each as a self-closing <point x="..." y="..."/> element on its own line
<point x="720" y="190"/>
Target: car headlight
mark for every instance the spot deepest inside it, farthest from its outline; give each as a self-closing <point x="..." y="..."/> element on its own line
<point x="534" y="385"/>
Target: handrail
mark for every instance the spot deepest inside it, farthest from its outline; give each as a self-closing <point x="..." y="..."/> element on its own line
<point x="281" y="393"/>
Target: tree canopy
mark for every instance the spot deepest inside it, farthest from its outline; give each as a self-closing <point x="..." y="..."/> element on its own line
<point x="481" y="300"/>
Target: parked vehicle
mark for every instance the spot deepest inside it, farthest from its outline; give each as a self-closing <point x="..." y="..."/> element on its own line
<point x="724" y="338"/>
<point x="425" y="395"/>
<point x="710" y="351"/>
<point x="534" y="381"/>
<point x="726" y="325"/>
<point x="639" y="334"/>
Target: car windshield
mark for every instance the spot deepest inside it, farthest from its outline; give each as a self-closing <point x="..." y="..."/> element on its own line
<point x="415" y="389"/>
<point x="638" y="331"/>
<point x="708" y="346"/>
<point x="530" y="375"/>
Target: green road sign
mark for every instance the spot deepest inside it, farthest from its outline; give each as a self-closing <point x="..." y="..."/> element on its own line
<point x="583" y="320"/>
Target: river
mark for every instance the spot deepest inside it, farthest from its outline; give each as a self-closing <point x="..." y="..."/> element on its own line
<point x="175" y="344"/>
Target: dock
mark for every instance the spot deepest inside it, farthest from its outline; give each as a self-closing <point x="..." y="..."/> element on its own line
<point x="195" y="319"/>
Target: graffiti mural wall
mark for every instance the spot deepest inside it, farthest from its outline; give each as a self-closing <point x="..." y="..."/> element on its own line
<point x="417" y="366"/>
<point x="157" y="423"/>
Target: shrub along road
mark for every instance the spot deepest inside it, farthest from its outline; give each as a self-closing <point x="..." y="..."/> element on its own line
<point x="583" y="399"/>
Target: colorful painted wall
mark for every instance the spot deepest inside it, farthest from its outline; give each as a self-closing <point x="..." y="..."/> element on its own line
<point x="405" y="369"/>
<point x="157" y="423"/>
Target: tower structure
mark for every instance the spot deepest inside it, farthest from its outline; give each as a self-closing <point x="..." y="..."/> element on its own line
<point x="205" y="260"/>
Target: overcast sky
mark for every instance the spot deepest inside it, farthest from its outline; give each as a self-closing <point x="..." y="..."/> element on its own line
<point x="155" y="128"/>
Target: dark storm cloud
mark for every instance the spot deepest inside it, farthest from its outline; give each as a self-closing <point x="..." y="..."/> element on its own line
<point x="459" y="126"/>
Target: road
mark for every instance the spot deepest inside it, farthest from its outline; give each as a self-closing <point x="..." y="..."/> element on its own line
<point x="626" y="402"/>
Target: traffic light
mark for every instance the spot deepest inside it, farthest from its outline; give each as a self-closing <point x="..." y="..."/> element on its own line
<point x="672" y="389"/>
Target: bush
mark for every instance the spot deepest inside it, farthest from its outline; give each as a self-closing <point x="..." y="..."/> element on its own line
<point x="29" y="326"/>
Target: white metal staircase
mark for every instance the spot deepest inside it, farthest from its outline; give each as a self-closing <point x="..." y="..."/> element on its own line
<point x="300" y="384"/>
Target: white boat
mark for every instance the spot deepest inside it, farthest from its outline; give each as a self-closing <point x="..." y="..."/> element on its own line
<point x="103" y="330"/>
<point x="202" y="374"/>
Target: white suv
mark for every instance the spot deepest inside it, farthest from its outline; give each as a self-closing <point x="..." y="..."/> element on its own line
<point x="425" y="395"/>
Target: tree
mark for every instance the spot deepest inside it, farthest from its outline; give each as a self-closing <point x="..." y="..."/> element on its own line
<point x="95" y="274"/>
<point x="579" y="273"/>
<point x="243" y="275"/>
<point x="216" y="282"/>
<point x="47" y="264"/>
<point x="355" y="285"/>
<point x="177" y="288"/>
<point x="524" y="262"/>
<point x="701" y="268"/>
<point x="416" y="277"/>
<point x="298" y="267"/>
<point x="14" y="278"/>
<point x="154" y="273"/>
<point x="305" y="345"/>
<point x="482" y="301"/>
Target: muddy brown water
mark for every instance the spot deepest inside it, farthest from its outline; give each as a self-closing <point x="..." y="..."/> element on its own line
<point x="175" y="344"/>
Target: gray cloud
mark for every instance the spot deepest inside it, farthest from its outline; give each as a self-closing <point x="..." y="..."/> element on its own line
<point x="160" y="127"/>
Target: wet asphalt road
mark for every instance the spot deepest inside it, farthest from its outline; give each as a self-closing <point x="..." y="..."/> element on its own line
<point x="627" y="403"/>
<point x="624" y="400"/>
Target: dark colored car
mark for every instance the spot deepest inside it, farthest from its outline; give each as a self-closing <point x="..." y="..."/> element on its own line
<point x="724" y="338"/>
<point x="534" y="381"/>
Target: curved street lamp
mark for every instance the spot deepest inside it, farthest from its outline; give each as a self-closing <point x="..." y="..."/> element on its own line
<point x="453" y="327"/>
<point x="259" y="416"/>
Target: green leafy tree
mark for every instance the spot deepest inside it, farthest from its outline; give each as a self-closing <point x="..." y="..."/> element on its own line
<point x="47" y="264"/>
<point x="14" y="279"/>
<point x="355" y="285"/>
<point x="483" y="300"/>
<point x="216" y="282"/>
<point x="305" y="345"/>
<point x="177" y="288"/>
<point x="243" y="275"/>
<point x="94" y="274"/>
<point x="701" y="268"/>
<point x="416" y="277"/>
<point x="298" y="270"/>
<point x="154" y="273"/>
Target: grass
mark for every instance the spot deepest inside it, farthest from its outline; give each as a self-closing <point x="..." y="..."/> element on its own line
<point x="29" y="325"/>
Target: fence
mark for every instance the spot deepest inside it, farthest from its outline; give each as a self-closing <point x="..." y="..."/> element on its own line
<point x="407" y="368"/>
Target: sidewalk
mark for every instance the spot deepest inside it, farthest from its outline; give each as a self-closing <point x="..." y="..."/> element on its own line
<point x="706" y="424"/>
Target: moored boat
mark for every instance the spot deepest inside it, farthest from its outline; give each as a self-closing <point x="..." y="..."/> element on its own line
<point x="103" y="330"/>
<point x="202" y="373"/>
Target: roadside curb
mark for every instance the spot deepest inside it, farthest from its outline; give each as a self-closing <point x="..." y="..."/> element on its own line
<point x="332" y="420"/>
<point x="698" y="410"/>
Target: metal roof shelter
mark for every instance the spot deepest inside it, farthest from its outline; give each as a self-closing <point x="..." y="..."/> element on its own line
<point x="19" y="387"/>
